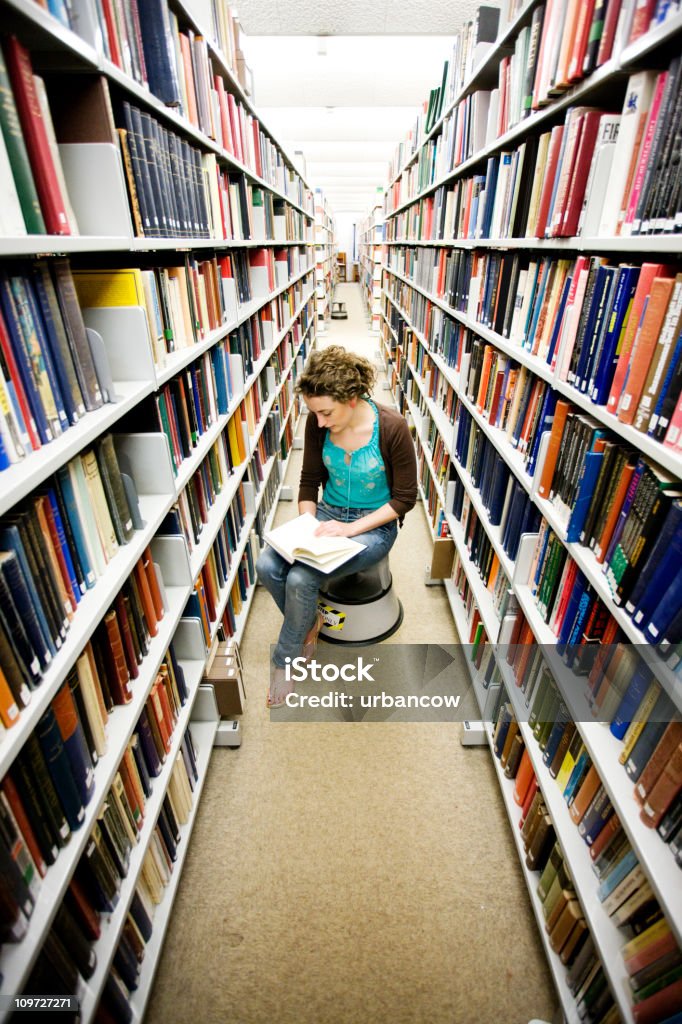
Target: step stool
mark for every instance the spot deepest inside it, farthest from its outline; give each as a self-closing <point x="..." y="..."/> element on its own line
<point x="361" y="608"/>
<point x="339" y="311"/>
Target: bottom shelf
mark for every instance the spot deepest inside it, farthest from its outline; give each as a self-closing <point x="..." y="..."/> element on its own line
<point x="202" y="736"/>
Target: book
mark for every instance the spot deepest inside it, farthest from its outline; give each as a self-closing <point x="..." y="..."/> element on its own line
<point x="295" y="541"/>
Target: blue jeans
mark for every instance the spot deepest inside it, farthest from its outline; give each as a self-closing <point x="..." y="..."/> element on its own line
<point x="295" y="587"/>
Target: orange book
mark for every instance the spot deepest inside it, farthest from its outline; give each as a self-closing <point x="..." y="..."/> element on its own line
<point x="666" y="747"/>
<point x="643" y="347"/>
<point x="120" y="683"/>
<point x="46" y="518"/>
<point x="524" y="777"/>
<point x="150" y="571"/>
<point x="570" y="28"/>
<point x="553" y="448"/>
<point x="132" y="787"/>
<point x="648" y="273"/>
<point x="146" y="598"/>
<point x="601" y="547"/>
<point x="664" y="791"/>
<point x="14" y="800"/>
<point x="582" y="33"/>
<point x="583" y="798"/>
<point x="157" y="708"/>
<point x="9" y="709"/>
<point x="485" y="376"/>
<point x="467" y="207"/>
<point x="166" y="706"/>
<point x="67" y="596"/>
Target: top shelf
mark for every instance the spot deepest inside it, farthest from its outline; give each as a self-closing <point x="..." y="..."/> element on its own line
<point x="620" y="64"/>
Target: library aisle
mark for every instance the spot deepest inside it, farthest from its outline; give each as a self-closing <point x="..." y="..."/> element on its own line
<point x="352" y="873"/>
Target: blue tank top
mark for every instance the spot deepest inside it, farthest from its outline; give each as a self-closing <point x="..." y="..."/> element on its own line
<point x="361" y="481"/>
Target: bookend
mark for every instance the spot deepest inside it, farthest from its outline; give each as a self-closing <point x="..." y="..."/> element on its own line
<point x="93" y="171"/>
<point x="102" y="368"/>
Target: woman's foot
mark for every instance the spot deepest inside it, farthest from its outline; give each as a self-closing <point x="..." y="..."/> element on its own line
<point x="310" y="642"/>
<point x="280" y="688"/>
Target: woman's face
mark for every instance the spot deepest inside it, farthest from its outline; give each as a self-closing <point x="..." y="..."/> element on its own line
<point x="333" y="415"/>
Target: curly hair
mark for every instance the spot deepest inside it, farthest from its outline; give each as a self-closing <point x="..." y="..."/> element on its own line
<point x="338" y="373"/>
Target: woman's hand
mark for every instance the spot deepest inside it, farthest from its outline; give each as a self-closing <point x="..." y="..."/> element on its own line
<point x="333" y="528"/>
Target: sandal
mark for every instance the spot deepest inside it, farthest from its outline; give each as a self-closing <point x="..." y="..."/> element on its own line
<point x="310" y="642"/>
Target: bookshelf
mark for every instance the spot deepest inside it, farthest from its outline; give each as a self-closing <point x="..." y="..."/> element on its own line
<point x="370" y="240"/>
<point x="324" y="258"/>
<point x="437" y="330"/>
<point x="196" y="341"/>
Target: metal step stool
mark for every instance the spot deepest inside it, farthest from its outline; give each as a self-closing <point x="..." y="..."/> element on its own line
<point x="339" y="311"/>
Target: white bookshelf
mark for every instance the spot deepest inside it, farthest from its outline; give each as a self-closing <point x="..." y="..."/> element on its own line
<point x="403" y="192"/>
<point x="91" y="171"/>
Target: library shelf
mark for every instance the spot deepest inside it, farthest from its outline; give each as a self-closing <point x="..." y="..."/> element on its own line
<point x="203" y="734"/>
<point x="19" y="958"/>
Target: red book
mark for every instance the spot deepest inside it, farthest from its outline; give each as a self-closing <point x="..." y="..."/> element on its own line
<point x="530" y="795"/>
<point x="524" y="777"/>
<point x="550" y="174"/>
<point x="235" y="126"/>
<point x="35" y="136"/>
<point x="255" y="127"/>
<point x="582" y="33"/>
<point x="148" y="565"/>
<point x="610" y="829"/>
<point x="609" y="32"/>
<point x="126" y="636"/>
<point x="581" y="170"/>
<point x="673" y="436"/>
<point x="146" y="598"/>
<point x="111" y="34"/>
<point x="87" y="916"/>
<point x="659" y="1006"/>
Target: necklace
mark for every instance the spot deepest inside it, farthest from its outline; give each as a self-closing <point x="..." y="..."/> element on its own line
<point x="348" y="458"/>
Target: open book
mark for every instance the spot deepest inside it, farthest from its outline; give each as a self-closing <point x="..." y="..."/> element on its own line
<point x="296" y="542"/>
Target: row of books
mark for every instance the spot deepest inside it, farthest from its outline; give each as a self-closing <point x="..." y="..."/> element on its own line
<point x="68" y="953"/>
<point x="624" y="891"/>
<point x="48" y="375"/>
<point x="598" y="174"/>
<point x="54" y="548"/>
<point x="225" y="626"/>
<point x="622" y="507"/>
<point x="178" y="67"/>
<point x="612" y="333"/>
<point x="471" y="43"/>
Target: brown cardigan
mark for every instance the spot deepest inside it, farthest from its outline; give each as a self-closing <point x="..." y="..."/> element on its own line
<point x="397" y="451"/>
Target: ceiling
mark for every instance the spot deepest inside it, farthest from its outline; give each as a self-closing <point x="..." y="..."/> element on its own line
<point x="341" y="83"/>
<point x="353" y="17"/>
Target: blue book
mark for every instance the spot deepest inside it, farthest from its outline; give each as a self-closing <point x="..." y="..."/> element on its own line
<point x="588" y="480"/>
<point x="649" y="737"/>
<point x="660" y="566"/>
<point x="66" y="551"/>
<point x="573" y="646"/>
<point x="153" y="759"/>
<point x="580" y="769"/>
<point x="69" y="498"/>
<point x="37" y="346"/>
<point x="674" y="367"/>
<point x="556" y="329"/>
<point x="617" y="874"/>
<point x="18" y="595"/>
<point x="24" y="367"/>
<point x="595" y="325"/>
<point x="141" y="765"/>
<point x="631" y="700"/>
<point x="665" y="612"/>
<point x="635" y="483"/>
<point x="10" y="538"/>
<point x="218" y="363"/>
<point x="625" y="290"/>
<point x="579" y="588"/>
<point x="59" y="769"/>
<point x="596" y="816"/>
<point x="78" y="755"/>
<point x="4" y="457"/>
<point x="490" y="188"/>
<point x="179" y="675"/>
<point x="536" y="308"/>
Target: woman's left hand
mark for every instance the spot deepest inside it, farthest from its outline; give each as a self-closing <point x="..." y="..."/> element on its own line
<point x="333" y="528"/>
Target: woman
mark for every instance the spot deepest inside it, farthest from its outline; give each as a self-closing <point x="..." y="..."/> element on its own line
<point x="363" y="457"/>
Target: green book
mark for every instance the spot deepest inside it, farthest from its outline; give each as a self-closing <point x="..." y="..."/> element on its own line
<point x="18" y="156"/>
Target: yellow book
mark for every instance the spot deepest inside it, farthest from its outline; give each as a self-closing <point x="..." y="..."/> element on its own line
<point x="234" y="431"/>
<point x="574" y="751"/>
<point x="110" y="287"/>
<point x="639" y="721"/>
<point x="92" y="708"/>
<point x="543" y="147"/>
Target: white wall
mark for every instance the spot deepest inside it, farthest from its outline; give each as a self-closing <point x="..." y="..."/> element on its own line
<point x="343" y="223"/>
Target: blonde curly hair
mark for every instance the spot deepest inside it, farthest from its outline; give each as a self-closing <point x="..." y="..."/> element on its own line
<point x="336" y="372"/>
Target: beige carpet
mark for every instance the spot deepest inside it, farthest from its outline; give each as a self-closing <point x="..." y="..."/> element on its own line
<point x="352" y="873"/>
